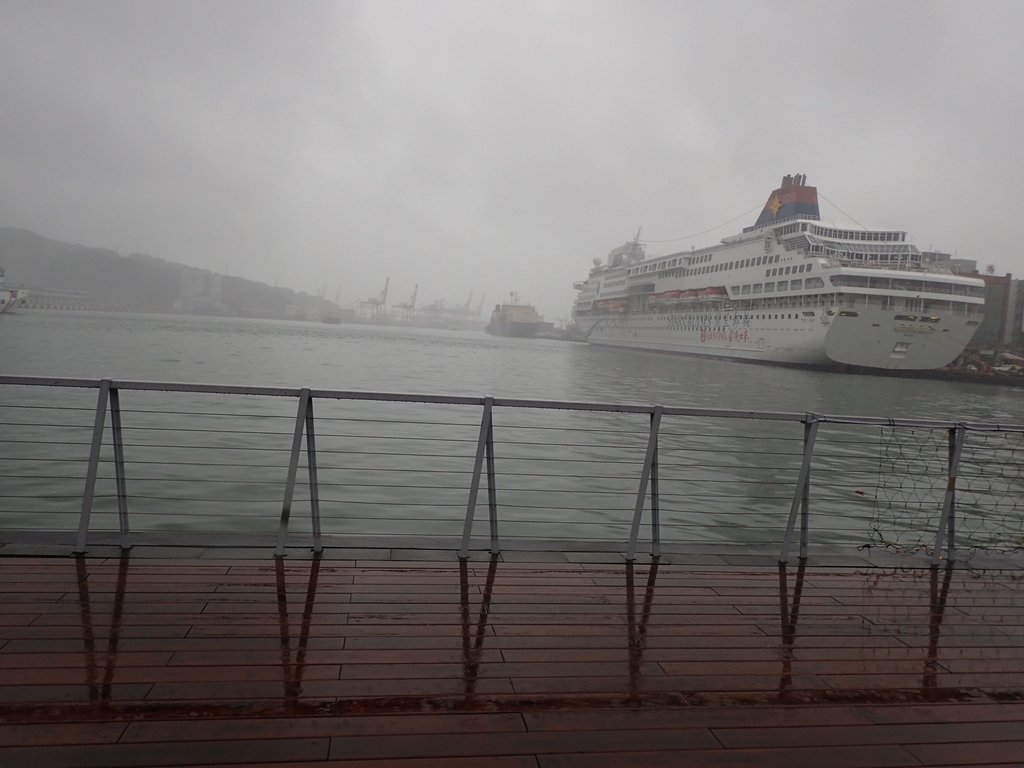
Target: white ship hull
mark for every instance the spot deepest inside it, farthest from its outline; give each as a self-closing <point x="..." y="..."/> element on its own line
<point x="789" y="290"/>
<point x="872" y="339"/>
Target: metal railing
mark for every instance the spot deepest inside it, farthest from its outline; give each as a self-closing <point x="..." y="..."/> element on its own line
<point x="909" y="465"/>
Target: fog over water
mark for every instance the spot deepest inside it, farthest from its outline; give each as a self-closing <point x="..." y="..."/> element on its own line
<point x="493" y="146"/>
<point x="438" y="361"/>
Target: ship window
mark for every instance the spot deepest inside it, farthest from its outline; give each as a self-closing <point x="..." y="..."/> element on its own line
<point x="746" y="289"/>
<point x="814" y="282"/>
<point x="783" y="285"/>
<point x="796" y="285"/>
<point x="769" y="287"/>
<point x="758" y="287"/>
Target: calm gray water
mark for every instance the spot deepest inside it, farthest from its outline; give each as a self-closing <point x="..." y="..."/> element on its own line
<point x="430" y="361"/>
<point x="220" y="466"/>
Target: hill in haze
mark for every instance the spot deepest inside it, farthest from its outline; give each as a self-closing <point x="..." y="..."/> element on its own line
<point x="101" y="278"/>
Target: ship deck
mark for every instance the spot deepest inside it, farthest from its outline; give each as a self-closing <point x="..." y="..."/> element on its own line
<point x="386" y="656"/>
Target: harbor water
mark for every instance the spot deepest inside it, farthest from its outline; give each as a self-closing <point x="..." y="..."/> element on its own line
<point x="728" y="479"/>
<point x="457" y="362"/>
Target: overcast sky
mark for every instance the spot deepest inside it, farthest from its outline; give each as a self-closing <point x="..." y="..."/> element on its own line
<point x="496" y="146"/>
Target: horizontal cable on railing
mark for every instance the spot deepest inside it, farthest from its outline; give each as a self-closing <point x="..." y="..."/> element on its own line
<point x="607" y="446"/>
<point x="46" y="458"/>
<point x="408" y="471"/>
<point x="189" y="430"/>
<point x="193" y="481"/>
<point x="701" y="462"/>
<point x="415" y="438"/>
<point x="47" y="425"/>
<point x="37" y="407"/>
<point x="503" y="474"/>
<point x="44" y="497"/>
<point x="210" y="414"/>
<point x="179" y="463"/>
<point x="565" y="428"/>
<point x="8" y="441"/>
<point x="283" y="449"/>
<point x="33" y="476"/>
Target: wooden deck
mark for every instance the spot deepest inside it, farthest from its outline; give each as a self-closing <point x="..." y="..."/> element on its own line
<point x="548" y="661"/>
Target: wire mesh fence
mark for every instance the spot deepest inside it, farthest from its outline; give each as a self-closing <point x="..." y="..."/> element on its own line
<point x="217" y="459"/>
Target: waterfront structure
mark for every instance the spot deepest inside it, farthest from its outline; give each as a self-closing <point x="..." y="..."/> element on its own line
<point x="790" y="289"/>
<point x="999" y="331"/>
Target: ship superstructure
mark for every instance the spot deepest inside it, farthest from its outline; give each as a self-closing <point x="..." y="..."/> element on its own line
<point x="790" y="289"/>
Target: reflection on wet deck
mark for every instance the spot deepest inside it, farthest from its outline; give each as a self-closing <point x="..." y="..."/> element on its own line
<point x="146" y="661"/>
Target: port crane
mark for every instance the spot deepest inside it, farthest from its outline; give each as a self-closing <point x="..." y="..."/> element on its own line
<point x="409" y="307"/>
<point x="378" y="307"/>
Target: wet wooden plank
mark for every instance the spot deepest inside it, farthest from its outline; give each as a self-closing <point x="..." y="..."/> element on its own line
<point x="130" y="661"/>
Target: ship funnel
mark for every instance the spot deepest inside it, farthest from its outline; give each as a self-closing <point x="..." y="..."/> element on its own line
<point x="793" y="199"/>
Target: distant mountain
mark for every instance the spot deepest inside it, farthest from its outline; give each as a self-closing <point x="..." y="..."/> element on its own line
<point x="142" y="283"/>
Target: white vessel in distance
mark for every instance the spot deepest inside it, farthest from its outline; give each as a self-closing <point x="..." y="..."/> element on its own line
<point x="10" y="297"/>
<point x="790" y="289"/>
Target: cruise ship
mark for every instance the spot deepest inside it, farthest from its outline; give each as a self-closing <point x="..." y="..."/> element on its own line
<point x="789" y="290"/>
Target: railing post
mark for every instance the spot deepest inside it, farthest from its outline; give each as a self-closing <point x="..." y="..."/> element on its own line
<point x="801" y="496"/>
<point x="122" y="489"/>
<point x="492" y="490"/>
<point x="655" y="494"/>
<point x="484" y="448"/>
<point x="649" y="471"/>
<point x="314" y="485"/>
<point x="947" y="520"/>
<point x="94" y="461"/>
<point x="293" y="469"/>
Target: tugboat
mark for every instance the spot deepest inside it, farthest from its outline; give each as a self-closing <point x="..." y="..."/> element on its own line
<point x="514" y="318"/>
